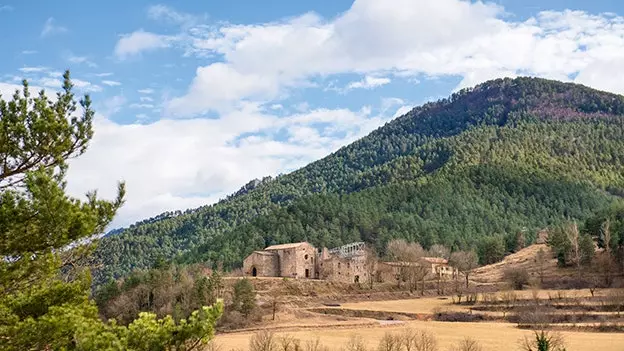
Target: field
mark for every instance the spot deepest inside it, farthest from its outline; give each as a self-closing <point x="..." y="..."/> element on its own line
<point x="489" y="312"/>
<point x="492" y="336"/>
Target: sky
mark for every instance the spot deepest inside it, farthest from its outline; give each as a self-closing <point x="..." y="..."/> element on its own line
<point x="194" y="99"/>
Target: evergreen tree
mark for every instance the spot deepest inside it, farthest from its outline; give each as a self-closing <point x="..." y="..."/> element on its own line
<point x="244" y="298"/>
<point x="46" y="237"/>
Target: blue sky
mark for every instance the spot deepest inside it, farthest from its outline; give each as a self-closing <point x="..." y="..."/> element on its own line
<point x="195" y="98"/>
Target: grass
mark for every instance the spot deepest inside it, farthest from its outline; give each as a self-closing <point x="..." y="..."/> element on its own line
<point x="492" y="336"/>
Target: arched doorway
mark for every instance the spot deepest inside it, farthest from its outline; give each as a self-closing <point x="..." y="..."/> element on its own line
<point x="254" y="272"/>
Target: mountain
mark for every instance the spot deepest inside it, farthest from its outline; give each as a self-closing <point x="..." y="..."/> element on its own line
<point x="504" y="156"/>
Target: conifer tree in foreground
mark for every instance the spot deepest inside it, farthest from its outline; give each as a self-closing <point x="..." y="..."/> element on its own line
<point x="45" y="238"/>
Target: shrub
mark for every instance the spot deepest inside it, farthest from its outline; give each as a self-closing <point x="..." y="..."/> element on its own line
<point x="468" y="344"/>
<point x="544" y="341"/>
<point x="355" y="343"/>
<point x="390" y="342"/>
<point x="244" y="299"/>
<point x="263" y="341"/>
<point x="446" y="316"/>
<point x="517" y="277"/>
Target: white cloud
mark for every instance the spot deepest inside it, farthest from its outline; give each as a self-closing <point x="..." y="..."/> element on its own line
<point x="146" y="98"/>
<point x="104" y="74"/>
<point x="167" y="14"/>
<point x="32" y="69"/>
<point x="604" y="74"/>
<point x="50" y="82"/>
<point x="165" y="166"/>
<point x="29" y="52"/>
<point x="405" y="38"/>
<point x="50" y="28"/>
<point x="253" y="67"/>
<point x="402" y="110"/>
<point x="86" y="86"/>
<point x="81" y="60"/>
<point x="218" y="86"/>
<point x="369" y="82"/>
<point x="111" y="83"/>
<point x="113" y="105"/>
<point x="140" y="41"/>
<point x="141" y="105"/>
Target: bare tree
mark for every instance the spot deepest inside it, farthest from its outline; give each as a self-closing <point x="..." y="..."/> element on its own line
<point x="465" y="262"/>
<point x="417" y="272"/>
<point x="288" y="343"/>
<point x="315" y="345"/>
<point x="411" y="267"/>
<point x="389" y="342"/>
<point x="573" y="236"/>
<point x="439" y="250"/>
<point x="263" y="341"/>
<point x="355" y="343"/>
<point x="604" y="268"/>
<point x="371" y="265"/>
<point x="605" y="231"/>
<point x="426" y="341"/>
<point x="541" y="259"/>
<point x="468" y="344"/>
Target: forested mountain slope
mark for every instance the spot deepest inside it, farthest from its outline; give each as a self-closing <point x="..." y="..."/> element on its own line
<point x="505" y="155"/>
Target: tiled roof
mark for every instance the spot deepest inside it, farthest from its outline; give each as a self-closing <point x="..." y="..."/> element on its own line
<point x="284" y="246"/>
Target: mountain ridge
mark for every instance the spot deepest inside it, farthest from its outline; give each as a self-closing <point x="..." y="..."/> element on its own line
<point x="411" y="148"/>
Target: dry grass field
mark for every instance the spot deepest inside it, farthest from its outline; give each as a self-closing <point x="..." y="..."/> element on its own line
<point x="334" y="313"/>
<point x="492" y="336"/>
<point x="336" y="332"/>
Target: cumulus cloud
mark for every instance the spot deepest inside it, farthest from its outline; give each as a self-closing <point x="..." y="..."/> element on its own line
<point x="177" y="164"/>
<point x="405" y="38"/>
<point x="51" y="28"/>
<point x="140" y="41"/>
<point x="85" y="85"/>
<point x="368" y="82"/>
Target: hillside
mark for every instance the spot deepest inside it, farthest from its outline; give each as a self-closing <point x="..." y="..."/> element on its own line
<point x="505" y="155"/>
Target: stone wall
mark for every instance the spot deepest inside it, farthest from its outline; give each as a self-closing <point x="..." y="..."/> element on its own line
<point x="345" y="270"/>
<point x="306" y="261"/>
<point x="266" y="264"/>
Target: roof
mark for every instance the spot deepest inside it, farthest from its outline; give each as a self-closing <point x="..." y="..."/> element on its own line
<point x="264" y="253"/>
<point x="438" y="260"/>
<point x="285" y="246"/>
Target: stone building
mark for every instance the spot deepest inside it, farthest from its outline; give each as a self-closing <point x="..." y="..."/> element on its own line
<point x="436" y="267"/>
<point x="297" y="260"/>
<point x="302" y="260"/>
<point x="348" y="264"/>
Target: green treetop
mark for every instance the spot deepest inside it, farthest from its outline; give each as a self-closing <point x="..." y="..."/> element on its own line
<point x="45" y="236"/>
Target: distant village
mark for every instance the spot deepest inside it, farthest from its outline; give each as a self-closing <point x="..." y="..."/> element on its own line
<point x="351" y="263"/>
